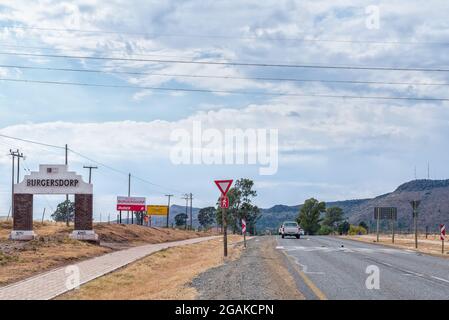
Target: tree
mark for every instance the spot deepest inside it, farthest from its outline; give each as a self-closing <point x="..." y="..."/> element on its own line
<point x="309" y="215"/>
<point x="206" y="217"/>
<point x="333" y="217"/>
<point x="181" y="219"/>
<point x="64" y="208"/>
<point x="240" y="206"/>
<point x="343" y="227"/>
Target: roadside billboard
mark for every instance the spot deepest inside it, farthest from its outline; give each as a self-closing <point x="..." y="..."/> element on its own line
<point x="130" y="203"/>
<point x="157" y="210"/>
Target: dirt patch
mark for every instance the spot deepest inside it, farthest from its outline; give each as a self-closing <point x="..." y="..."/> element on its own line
<point x="259" y="274"/>
<point x="53" y="248"/>
<point x="431" y="245"/>
<point x="163" y="275"/>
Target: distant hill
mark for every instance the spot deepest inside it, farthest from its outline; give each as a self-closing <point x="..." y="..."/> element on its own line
<point x="434" y="208"/>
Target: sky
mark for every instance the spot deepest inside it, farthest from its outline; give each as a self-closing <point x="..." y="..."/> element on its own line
<point x="330" y="148"/>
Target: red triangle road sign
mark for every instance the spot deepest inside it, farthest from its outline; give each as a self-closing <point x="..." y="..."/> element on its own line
<point x="223" y="185"/>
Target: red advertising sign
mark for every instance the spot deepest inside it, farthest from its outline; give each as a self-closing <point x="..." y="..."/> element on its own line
<point x="223" y="185"/>
<point x="131" y="203"/>
<point x="224" y="202"/>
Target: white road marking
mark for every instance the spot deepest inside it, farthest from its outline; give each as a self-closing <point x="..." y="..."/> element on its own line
<point x="305" y="268"/>
<point x="340" y="249"/>
<point x="441" y="279"/>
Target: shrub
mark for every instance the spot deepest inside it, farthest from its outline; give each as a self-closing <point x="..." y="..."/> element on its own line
<point x="325" y="230"/>
<point x="356" y="230"/>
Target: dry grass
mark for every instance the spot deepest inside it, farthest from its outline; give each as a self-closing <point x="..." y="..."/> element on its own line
<point x="162" y="275"/>
<point x="53" y="248"/>
<point x="431" y="245"/>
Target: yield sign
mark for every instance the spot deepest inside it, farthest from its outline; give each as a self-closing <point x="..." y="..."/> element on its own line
<point x="223" y="185"/>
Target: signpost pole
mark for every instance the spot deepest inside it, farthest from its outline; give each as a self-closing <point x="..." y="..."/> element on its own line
<point x="225" y="233"/>
<point x="378" y="223"/>
<point x="415" y="213"/>
<point x="392" y="227"/>
<point x="442" y="236"/>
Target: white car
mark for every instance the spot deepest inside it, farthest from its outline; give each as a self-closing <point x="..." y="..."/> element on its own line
<point x="290" y="228"/>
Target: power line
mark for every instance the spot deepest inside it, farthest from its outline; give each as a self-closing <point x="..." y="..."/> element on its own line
<point x="31" y="141"/>
<point x="88" y="158"/>
<point x="224" y="91"/>
<point x="247" y="64"/>
<point x="221" y="77"/>
<point x="217" y="36"/>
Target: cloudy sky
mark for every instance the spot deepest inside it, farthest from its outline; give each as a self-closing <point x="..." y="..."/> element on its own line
<point x="332" y="148"/>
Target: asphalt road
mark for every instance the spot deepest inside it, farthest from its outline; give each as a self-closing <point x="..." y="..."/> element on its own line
<point x="334" y="268"/>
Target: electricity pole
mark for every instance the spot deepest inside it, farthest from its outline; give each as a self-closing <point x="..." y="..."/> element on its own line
<point x="191" y="222"/>
<point x="19" y="155"/>
<point x="186" y="198"/>
<point x="67" y="196"/>
<point x="415" y="204"/>
<point x="168" y="209"/>
<point x="90" y="171"/>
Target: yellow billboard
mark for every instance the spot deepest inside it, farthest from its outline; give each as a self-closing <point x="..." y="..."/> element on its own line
<point x="156" y="210"/>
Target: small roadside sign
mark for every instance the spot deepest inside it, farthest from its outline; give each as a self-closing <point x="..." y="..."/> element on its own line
<point x="224" y="202"/>
<point x="442" y="232"/>
<point x="157" y="210"/>
<point x="223" y="185"/>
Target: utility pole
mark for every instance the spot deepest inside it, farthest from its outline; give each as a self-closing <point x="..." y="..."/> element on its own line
<point x="43" y="215"/>
<point x="191" y="221"/>
<point x="90" y="172"/>
<point x="19" y="155"/>
<point x="168" y="209"/>
<point x="415" y="205"/>
<point x="186" y="198"/>
<point x="67" y="196"/>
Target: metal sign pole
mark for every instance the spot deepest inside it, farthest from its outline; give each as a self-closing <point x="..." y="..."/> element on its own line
<point x="393" y="223"/>
<point x="225" y="233"/>
<point x="415" y="213"/>
<point x="378" y="223"/>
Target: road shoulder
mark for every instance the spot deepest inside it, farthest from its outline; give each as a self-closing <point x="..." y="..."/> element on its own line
<point x="261" y="273"/>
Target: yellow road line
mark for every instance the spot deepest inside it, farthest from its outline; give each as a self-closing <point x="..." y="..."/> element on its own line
<point x="307" y="280"/>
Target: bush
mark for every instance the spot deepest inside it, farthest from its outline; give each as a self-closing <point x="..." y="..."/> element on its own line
<point x="356" y="230"/>
<point x="325" y="230"/>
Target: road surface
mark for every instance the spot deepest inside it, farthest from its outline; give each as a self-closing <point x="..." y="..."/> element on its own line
<point x="333" y="268"/>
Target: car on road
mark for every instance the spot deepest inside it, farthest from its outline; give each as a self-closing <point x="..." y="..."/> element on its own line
<point x="290" y="228"/>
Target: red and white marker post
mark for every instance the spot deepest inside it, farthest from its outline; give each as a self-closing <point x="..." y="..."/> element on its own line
<point x="244" y="232"/>
<point x="442" y="236"/>
<point x="224" y="186"/>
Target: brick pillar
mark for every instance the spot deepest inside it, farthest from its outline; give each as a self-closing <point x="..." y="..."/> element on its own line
<point x="23" y="212"/>
<point x="83" y="211"/>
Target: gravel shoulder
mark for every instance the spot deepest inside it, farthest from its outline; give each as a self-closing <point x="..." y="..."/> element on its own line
<point x="260" y="273"/>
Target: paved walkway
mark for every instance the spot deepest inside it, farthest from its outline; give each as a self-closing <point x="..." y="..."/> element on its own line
<point x="50" y="284"/>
